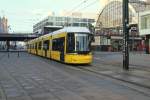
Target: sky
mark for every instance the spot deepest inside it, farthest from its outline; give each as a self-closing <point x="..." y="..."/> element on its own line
<point x="23" y="14"/>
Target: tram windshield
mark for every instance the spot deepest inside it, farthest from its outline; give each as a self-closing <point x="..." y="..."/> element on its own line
<point x="81" y="42"/>
<point x="78" y="43"/>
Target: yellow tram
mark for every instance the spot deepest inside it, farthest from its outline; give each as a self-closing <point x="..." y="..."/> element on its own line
<point x="69" y="45"/>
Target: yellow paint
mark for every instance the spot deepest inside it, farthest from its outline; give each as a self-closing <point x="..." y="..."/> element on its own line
<point x="78" y="59"/>
<point x="69" y="58"/>
<point x="40" y="52"/>
<point x="55" y="55"/>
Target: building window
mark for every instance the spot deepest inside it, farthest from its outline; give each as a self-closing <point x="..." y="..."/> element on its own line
<point x="75" y="24"/>
<point x="49" y="23"/>
<point x="144" y="22"/>
<point x="84" y="25"/>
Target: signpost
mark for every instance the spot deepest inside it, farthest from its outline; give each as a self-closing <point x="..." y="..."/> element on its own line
<point x="125" y="35"/>
<point x="133" y="31"/>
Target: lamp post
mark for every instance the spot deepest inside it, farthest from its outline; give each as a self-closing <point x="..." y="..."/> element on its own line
<point x="125" y="34"/>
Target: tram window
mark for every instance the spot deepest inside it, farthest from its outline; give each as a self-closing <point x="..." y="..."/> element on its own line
<point x="58" y="44"/>
<point x="40" y="45"/>
<point x="82" y="42"/>
<point x="27" y="46"/>
<point x="54" y="45"/>
<point x="46" y="45"/>
<point x="61" y="44"/>
<point x="70" y="43"/>
<point x="34" y="45"/>
<point x="31" y="46"/>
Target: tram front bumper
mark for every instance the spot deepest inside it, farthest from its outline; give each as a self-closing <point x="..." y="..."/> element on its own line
<point x="79" y="59"/>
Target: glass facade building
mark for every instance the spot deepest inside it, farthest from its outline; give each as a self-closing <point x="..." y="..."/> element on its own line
<point x="145" y="22"/>
<point x="110" y="18"/>
<point x="56" y="21"/>
<point x="3" y="29"/>
<point x="144" y="29"/>
<point x="109" y="26"/>
<point x="3" y="25"/>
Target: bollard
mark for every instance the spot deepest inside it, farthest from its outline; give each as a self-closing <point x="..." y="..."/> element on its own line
<point x="18" y="54"/>
<point x="8" y="54"/>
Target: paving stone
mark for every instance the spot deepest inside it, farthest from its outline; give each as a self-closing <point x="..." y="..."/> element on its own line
<point x="32" y="78"/>
<point x="44" y="96"/>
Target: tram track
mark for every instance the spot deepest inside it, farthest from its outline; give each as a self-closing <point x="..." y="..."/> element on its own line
<point x="60" y="65"/>
<point x="85" y="69"/>
<point x="98" y="74"/>
<point x="132" y="66"/>
<point x="118" y="79"/>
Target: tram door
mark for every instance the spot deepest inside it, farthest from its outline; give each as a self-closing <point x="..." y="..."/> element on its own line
<point x="62" y="47"/>
<point x="36" y="51"/>
<point x="45" y="53"/>
<point x="46" y="47"/>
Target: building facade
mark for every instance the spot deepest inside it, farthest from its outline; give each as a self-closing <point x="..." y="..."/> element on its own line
<point x="55" y="22"/>
<point x="144" y="29"/>
<point x="109" y="23"/>
<point x="3" y="25"/>
<point x="3" y="29"/>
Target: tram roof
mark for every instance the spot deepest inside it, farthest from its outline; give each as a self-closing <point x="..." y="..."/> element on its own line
<point x="69" y="30"/>
<point x="72" y="29"/>
<point x="66" y="29"/>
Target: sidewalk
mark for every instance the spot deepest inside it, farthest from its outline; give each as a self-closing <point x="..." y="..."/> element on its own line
<point x="111" y="65"/>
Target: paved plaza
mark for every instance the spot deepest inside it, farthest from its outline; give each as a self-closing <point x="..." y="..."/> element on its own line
<point x="29" y="77"/>
<point x="110" y="63"/>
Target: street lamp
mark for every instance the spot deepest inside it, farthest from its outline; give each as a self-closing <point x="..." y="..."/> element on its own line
<point x="126" y="34"/>
<point x="125" y="21"/>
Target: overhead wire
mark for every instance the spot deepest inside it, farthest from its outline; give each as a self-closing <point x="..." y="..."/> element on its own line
<point x="79" y="5"/>
<point x="77" y="8"/>
<point x="91" y="4"/>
